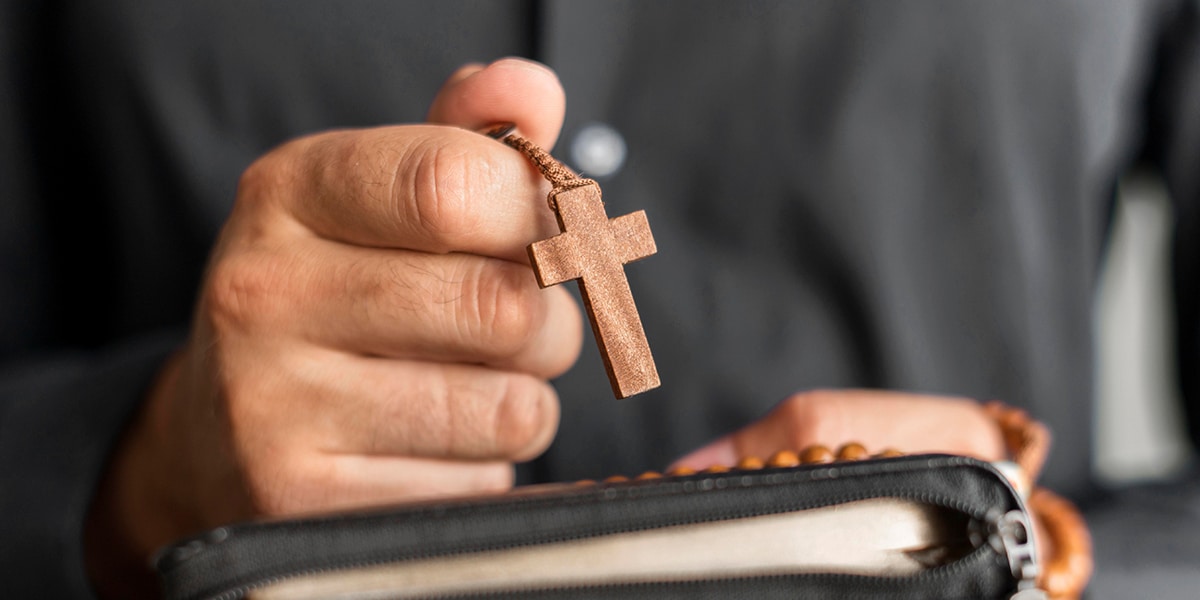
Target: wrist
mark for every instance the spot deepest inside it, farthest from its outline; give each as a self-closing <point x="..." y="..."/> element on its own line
<point x="128" y="518"/>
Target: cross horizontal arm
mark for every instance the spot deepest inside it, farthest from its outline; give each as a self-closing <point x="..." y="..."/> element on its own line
<point x="632" y="233"/>
<point x="555" y="260"/>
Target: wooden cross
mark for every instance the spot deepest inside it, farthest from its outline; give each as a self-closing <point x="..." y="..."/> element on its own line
<point x="594" y="249"/>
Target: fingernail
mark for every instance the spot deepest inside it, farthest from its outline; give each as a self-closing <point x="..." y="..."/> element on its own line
<point x="522" y="63"/>
<point x="720" y="452"/>
<point x="464" y="73"/>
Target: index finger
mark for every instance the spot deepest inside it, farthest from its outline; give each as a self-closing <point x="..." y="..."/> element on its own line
<point x="418" y="187"/>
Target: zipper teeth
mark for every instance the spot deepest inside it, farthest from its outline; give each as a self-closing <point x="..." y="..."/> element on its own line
<point x="935" y="499"/>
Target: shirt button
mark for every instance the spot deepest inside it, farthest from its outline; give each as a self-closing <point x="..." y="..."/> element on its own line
<point x="598" y="150"/>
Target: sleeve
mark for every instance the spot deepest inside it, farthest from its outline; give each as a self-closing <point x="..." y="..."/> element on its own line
<point x="59" y="419"/>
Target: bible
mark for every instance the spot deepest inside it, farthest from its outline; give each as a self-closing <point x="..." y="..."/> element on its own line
<point x="922" y="526"/>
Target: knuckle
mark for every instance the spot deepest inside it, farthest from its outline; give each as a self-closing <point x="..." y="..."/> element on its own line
<point x="503" y="310"/>
<point x="442" y="184"/>
<point x="522" y="417"/>
<point x="242" y="290"/>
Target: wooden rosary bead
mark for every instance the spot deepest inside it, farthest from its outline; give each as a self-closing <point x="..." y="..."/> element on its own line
<point x="889" y="453"/>
<point x="616" y="479"/>
<point x="678" y="471"/>
<point x="784" y="458"/>
<point x="750" y="463"/>
<point x="716" y="469"/>
<point x="817" y="454"/>
<point x="649" y="475"/>
<point x="852" y="451"/>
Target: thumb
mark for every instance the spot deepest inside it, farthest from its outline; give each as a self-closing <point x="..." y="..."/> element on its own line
<point x="510" y="90"/>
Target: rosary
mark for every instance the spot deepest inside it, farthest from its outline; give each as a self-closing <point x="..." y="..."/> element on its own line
<point x="594" y="249"/>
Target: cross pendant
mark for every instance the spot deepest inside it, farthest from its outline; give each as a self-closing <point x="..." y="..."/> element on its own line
<point x="594" y="249"/>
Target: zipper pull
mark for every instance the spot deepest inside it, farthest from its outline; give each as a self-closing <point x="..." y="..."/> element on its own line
<point x="1011" y="535"/>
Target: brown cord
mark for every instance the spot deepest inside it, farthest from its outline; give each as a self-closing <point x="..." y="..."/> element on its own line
<point x="1027" y="441"/>
<point x="554" y="171"/>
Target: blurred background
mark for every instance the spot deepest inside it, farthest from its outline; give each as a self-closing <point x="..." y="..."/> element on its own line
<point x="1140" y="431"/>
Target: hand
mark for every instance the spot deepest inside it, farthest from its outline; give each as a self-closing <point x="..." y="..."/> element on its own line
<point x="879" y="420"/>
<point x="368" y="330"/>
<point x="910" y="423"/>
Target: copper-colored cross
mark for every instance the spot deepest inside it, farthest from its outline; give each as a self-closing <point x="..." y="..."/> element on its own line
<point x="594" y="249"/>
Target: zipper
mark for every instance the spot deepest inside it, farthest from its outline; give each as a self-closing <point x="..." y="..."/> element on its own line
<point x="1011" y="535"/>
<point x="1006" y="534"/>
